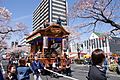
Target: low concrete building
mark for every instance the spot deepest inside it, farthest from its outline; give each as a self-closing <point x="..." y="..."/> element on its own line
<point x="107" y="43"/>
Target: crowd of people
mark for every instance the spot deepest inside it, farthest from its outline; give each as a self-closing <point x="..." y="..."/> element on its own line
<point x="56" y="66"/>
<point x="19" y="69"/>
<point x="22" y="71"/>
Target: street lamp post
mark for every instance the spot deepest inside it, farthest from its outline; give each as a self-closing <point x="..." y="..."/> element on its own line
<point x="78" y="50"/>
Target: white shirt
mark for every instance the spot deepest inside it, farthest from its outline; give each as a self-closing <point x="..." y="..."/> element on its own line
<point x="54" y="65"/>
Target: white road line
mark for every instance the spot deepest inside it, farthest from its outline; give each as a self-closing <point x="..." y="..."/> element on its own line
<point x="62" y="75"/>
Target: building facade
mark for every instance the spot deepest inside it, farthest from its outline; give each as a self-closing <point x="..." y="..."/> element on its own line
<point x="49" y="11"/>
<point x="107" y="43"/>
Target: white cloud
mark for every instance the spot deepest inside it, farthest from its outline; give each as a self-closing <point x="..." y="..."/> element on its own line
<point x="23" y="17"/>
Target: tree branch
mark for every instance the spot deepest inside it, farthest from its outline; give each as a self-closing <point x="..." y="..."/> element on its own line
<point x="10" y="30"/>
<point x="107" y="5"/>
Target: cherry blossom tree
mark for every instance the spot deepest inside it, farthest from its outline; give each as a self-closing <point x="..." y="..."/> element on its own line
<point x="94" y="12"/>
<point x="5" y="28"/>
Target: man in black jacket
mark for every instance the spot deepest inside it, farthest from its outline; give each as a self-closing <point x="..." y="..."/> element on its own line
<point x="1" y="75"/>
<point x="96" y="71"/>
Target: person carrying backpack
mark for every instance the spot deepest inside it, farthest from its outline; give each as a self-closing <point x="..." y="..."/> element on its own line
<point x="23" y="71"/>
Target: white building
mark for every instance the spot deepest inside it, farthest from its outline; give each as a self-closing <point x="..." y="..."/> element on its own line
<point x="102" y="41"/>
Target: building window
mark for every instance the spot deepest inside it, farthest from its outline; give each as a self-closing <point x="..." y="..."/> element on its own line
<point x="97" y="42"/>
<point x="100" y="42"/>
<point x="87" y="44"/>
<point x="105" y="41"/>
<point x="94" y="43"/>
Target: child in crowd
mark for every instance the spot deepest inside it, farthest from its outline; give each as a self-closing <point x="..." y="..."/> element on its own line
<point x="11" y="73"/>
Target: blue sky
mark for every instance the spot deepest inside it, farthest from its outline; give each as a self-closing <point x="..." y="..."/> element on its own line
<point x="22" y="12"/>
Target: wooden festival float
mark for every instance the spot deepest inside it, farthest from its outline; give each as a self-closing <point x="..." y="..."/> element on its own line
<point x="48" y="43"/>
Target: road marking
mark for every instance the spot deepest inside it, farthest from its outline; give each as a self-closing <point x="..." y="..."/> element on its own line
<point x="62" y="75"/>
<point x="81" y="65"/>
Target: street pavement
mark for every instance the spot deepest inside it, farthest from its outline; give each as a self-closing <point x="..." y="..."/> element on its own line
<point x="80" y="72"/>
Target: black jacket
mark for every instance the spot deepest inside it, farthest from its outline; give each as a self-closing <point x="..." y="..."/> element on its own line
<point x="1" y="75"/>
<point x="96" y="73"/>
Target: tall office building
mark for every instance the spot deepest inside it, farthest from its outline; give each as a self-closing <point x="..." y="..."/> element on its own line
<point x="49" y="10"/>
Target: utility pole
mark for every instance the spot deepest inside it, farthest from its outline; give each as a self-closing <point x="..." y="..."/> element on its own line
<point x="78" y="50"/>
